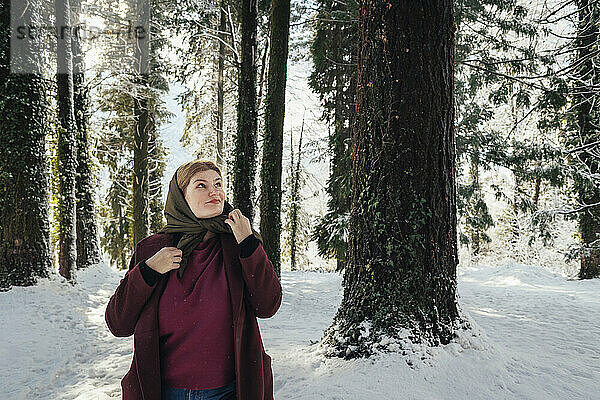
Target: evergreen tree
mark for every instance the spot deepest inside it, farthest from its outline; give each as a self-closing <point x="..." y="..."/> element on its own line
<point x="296" y="221"/>
<point x="488" y="56"/>
<point x="402" y="250"/>
<point x="334" y="54"/>
<point x="125" y="98"/>
<point x="115" y="152"/>
<point x="24" y="223"/>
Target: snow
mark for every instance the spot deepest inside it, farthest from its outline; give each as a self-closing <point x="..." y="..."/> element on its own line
<point x="535" y="336"/>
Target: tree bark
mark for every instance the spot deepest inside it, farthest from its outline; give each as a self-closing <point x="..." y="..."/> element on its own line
<point x="244" y="169"/>
<point x="401" y="271"/>
<point x="142" y="128"/>
<point x="67" y="151"/>
<point x="220" y="159"/>
<point x="24" y="221"/>
<point x="270" y="199"/>
<point x="589" y="193"/>
<point x="88" y="251"/>
<point x="295" y="197"/>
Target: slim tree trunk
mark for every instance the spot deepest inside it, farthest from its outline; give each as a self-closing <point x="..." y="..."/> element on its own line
<point x="67" y="151"/>
<point x="263" y="68"/>
<point x="88" y="251"/>
<point x="244" y="169"/>
<point x="141" y="133"/>
<point x="475" y="230"/>
<point x="295" y="202"/>
<point x="401" y="271"/>
<point x="24" y="223"/>
<point x="270" y="205"/>
<point x="220" y="91"/>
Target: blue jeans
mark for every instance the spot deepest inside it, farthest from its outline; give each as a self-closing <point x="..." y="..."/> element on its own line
<point x="226" y="392"/>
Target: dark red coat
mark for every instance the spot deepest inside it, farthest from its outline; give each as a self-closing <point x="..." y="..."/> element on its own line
<point x="255" y="292"/>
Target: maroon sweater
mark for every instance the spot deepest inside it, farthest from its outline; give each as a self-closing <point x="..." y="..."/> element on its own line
<point x="196" y="321"/>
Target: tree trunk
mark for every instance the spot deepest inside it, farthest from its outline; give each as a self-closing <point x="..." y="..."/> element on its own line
<point x="140" y="163"/>
<point x="402" y="251"/>
<point x="24" y="223"/>
<point x="67" y="151"/>
<point x="141" y="133"/>
<point x="220" y="91"/>
<point x="475" y="229"/>
<point x="270" y="204"/>
<point x="295" y="197"/>
<point x="88" y="251"/>
<point x="244" y="169"/>
<point x="589" y="193"/>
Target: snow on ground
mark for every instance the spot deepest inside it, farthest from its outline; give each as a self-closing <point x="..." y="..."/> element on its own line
<point x="538" y="339"/>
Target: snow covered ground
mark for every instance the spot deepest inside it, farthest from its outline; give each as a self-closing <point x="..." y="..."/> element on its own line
<point x="538" y="339"/>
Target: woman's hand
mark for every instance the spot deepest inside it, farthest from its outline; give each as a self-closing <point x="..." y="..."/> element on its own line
<point x="165" y="259"/>
<point x="240" y="225"/>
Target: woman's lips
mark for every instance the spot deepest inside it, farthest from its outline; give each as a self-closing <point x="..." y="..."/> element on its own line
<point x="214" y="202"/>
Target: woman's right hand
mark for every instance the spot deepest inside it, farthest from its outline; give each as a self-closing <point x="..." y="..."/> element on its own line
<point x="165" y="259"/>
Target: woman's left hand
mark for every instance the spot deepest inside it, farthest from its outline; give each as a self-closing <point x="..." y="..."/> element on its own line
<point x="240" y="225"/>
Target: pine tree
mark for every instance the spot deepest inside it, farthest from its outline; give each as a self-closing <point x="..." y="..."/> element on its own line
<point x="297" y="221"/>
<point x="24" y="223"/>
<point x="334" y="54"/>
<point x="402" y="254"/>
<point x="488" y="56"/>
<point x="120" y="139"/>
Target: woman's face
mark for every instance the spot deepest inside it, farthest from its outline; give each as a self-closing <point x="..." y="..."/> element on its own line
<point x="205" y="194"/>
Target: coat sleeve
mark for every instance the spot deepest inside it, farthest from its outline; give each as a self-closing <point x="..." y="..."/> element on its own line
<point x="262" y="285"/>
<point x="125" y="305"/>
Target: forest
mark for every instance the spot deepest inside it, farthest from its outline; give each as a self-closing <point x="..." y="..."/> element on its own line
<point x="424" y="177"/>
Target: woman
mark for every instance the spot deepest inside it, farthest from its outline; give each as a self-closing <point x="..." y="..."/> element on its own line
<point x="191" y="298"/>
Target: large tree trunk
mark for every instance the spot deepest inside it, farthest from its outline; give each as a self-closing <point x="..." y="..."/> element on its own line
<point x="402" y="252"/>
<point x="24" y="225"/>
<point x="88" y="251"/>
<point x="67" y="151"/>
<point x="244" y="169"/>
<point x="270" y="204"/>
<point x="589" y="219"/>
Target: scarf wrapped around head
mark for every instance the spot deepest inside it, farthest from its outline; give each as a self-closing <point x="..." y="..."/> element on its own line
<point x="180" y="218"/>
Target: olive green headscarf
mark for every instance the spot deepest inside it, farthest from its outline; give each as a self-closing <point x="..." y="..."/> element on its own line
<point x="180" y="218"/>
